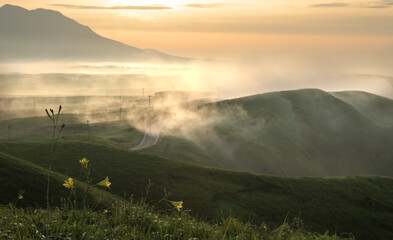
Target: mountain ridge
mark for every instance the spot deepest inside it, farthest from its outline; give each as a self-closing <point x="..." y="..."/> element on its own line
<point x="42" y="34"/>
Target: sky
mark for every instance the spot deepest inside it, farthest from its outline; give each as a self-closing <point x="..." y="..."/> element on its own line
<point x="311" y="42"/>
<point x="197" y="28"/>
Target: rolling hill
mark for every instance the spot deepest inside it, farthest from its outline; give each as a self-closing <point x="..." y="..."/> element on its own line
<point x="304" y="132"/>
<point x="21" y="175"/>
<point x="378" y="109"/>
<point x="41" y="35"/>
<point x="299" y="133"/>
<point x="361" y="205"/>
<point x="292" y="133"/>
<point x="115" y="133"/>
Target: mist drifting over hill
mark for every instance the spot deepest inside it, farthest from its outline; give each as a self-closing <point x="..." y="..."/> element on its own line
<point x="276" y="113"/>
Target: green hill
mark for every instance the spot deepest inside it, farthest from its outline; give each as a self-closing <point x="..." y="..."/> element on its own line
<point x="296" y="133"/>
<point x="20" y="175"/>
<point x="120" y="133"/>
<point x="181" y="149"/>
<point x="361" y="205"/>
<point x="376" y="108"/>
<point x="291" y="133"/>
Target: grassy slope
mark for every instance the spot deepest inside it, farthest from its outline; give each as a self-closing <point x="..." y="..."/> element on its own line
<point x="305" y="132"/>
<point x="181" y="149"/>
<point x="119" y="133"/>
<point x="376" y="108"/>
<point x="362" y="205"/>
<point x="31" y="128"/>
<point x="292" y="133"/>
<point x="20" y="175"/>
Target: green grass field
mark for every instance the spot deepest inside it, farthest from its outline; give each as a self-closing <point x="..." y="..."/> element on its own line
<point x="138" y="221"/>
<point x="291" y="133"/>
<point x="360" y="205"/>
<point x="119" y="133"/>
<point x="109" y="216"/>
<point x="21" y="175"/>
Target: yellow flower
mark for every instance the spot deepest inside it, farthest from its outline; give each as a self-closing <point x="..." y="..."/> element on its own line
<point x="20" y="196"/>
<point x="69" y="183"/>
<point x="84" y="162"/>
<point x="177" y="205"/>
<point x="104" y="183"/>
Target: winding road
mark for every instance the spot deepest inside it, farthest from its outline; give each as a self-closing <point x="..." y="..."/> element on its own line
<point x="151" y="136"/>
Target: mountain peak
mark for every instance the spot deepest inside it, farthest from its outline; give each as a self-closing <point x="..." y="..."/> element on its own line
<point x="44" y="34"/>
<point x="9" y="7"/>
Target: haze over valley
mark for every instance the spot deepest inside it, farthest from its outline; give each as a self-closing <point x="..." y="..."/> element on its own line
<point x="257" y="116"/>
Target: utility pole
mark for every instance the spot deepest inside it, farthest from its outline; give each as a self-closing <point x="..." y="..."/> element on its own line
<point x="9" y="133"/>
<point x="149" y="100"/>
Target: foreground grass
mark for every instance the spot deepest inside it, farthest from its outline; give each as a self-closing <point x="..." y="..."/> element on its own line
<point x="126" y="221"/>
<point x="360" y="205"/>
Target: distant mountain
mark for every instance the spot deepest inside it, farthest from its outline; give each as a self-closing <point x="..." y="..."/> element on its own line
<point x="43" y="34"/>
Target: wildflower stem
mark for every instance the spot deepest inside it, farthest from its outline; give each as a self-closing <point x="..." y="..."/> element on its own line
<point x="86" y="190"/>
<point x="47" y="186"/>
<point x="55" y="139"/>
<point x="226" y="229"/>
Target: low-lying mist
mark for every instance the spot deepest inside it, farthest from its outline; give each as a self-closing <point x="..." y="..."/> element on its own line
<point x="246" y="75"/>
<point x="275" y="133"/>
<point x="178" y="93"/>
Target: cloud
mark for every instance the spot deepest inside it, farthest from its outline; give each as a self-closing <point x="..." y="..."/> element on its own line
<point x="330" y="5"/>
<point x="129" y="7"/>
<point x="209" y="5"/>
<point x="375" y="4"/>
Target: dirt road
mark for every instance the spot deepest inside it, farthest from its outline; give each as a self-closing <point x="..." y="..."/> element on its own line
<point x="151" y="136"/>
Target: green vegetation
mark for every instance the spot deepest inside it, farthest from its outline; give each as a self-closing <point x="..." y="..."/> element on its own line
<point x="291" y="133"/>
<point x="376" y="108"/>
<point x="137" y="221"/>
<point x="360" y="205"/>
<point x="18" y="174"/>
<point x="297" y="133"/>
<point x="305" y="132"/>
<point x="181" y="149"/>
<point x="116" y="133"/>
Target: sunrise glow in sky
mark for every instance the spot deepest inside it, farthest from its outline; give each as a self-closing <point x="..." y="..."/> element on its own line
<point x="197" y="28"/>
<point x="270" y="45"/>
